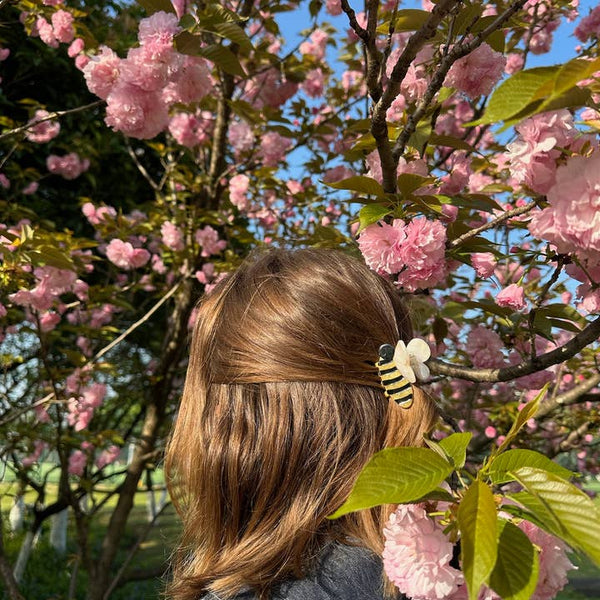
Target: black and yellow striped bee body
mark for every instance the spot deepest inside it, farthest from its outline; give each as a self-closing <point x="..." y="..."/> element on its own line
<point x="396" y="386"/>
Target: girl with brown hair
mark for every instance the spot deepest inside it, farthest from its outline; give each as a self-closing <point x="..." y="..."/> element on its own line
<point x="282" y="408"/>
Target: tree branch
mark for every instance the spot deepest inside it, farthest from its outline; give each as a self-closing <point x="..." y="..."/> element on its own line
<point x="6" y="570"/>
<point x="520" y="210"/>
<point x="53" y="115"/>
<point x="569" y="397"/>
<point x="585" y="337"/>
<point x="378" y="124"/>
<point x="360" y="31"/>
<point x="459" y="51"/>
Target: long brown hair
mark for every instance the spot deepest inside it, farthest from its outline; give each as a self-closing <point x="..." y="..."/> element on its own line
<point x="282" y="408"/>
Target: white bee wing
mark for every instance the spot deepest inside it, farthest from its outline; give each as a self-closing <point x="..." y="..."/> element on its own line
<point x="403" y="363"/>
<point x="419" y="349"/>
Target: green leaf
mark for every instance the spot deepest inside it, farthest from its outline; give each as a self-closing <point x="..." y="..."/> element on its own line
<point x="359" y="183"/>
<point x="394" y="476"/>
<point x="477" y="522"/>
<point x="410" y="182"/>
<point x="516" y="93"/>
<point x="455" y="447"/>
<point x="567" y="511"/>
<point x="410" y="19"/>
<point x="572" y="72"/>
<point x="450" y="141"/>
<point x="526" y="413"/>
<point x="371" y="213"/>
<point x="236" y="34"/>
<point x="500" y="467"/>
<point x="515" y="573"/>
<point x="153" y="6"/>
<point x="188" y="43"/>
<point x="223" y="58"/>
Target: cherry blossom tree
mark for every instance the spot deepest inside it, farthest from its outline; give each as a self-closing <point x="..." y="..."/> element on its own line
<point x="419" y="138"/>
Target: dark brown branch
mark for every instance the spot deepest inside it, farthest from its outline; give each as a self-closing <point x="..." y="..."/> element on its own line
<point x="360" y="31"/>
<point x="459" y="51"/>
<point x="520" y="210"/>
<point x="378" y="124"/>
<point x="572" y="396"/>
<point x="585" y="337"/>
<point x="374" y="56"/>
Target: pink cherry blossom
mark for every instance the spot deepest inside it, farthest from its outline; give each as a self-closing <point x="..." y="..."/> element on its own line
<point x="484" y="264"/>
<point x="379" y="243"/>
<point x="125" y="256"/>
<point x="190" y="130"/>
<point x="533" y="155"/>
<point x="514" y="63"/>
<point x="273" y="148"/>
<point x="62" y="25"/>
<point x="69" y="166"/>
<point x="484" y="347"/>
<point x="4" y="53"/>
<point x="48" y="321"/>
<point x="572" y="219"/>
<point x="512" y="296"/>
<point x="46" y="32"/>
<point x="240" y="137"/>
<point x="589" y="26"/>
<point x="76" y="47"/>
<point x="238" y="189"/>
<point x="189" y="82"/>
<point x="477" y="73"/>
<point x="423" y="254"/>
<point x="554" y="562"/>
<point x="314" y="84"/>
<point x="316" y="44"/>
<point x="172" y="237"/>
<point x="97" y="215"/>
<point x="4" y="181"/>
<point x="417" y="555"/>
<point x="42" y="132"/>
<point x="208" y="239"/>
<point x="158" y="29"/>
<point x="333" y="7"/>
<point x="2" y="310"/>
<point x="30" y="188"/>
<point x="102" y="72"/>
<point x="77" y="462"/>
<point x="108" y="456"/>
<point x="136" y="112"/>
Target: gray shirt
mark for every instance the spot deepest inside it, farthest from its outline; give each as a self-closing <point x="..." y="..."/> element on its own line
<point x="342" y="573"/>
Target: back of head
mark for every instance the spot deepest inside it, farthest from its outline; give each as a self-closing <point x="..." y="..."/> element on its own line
<point x="282" y="408"/>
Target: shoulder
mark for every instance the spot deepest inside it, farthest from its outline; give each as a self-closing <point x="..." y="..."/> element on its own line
<point x="341" y="573"/>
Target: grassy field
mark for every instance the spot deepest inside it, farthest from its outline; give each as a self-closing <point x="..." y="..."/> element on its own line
<point x="47" y="576"/>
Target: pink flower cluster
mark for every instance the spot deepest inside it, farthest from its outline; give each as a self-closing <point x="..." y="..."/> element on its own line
<point x="39" y="446"/>
<point x="414" y="251"/>
<point x="316" y="44"/>
<point x="484" y="347"/>
<point x="238" y="190"/>
<point x="42" y="132"/>
<point x="50" y="283"/>
<point x="172" y="236"/>
<point x="59" y="30"/>
<point x="140" y="88"/>
<point x="533" y="155"/>
<point x="191" y="130"/>
<point x="589" y="26"/>
<point x="108" y="456"/>
<point x="269" y="89"/>
<point x="95" y="216"/>
<point x="69" y="166"/>
<point x="477" y="73"/>
<point x="273" y="148"/>
<point x="79" y="458"/>
<point x="417" y="555"/>
<point x="208" y="239"/>
<point x="572" y="219"/>
<point x="125" y="256"/>
<point x="81" y="409"/>
<point x="512" y="296"/>
<point x="484" y="264"/>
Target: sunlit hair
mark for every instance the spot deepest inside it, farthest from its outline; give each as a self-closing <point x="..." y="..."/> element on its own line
<point x="282" y="408"/>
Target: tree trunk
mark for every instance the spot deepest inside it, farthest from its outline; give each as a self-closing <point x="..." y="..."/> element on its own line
<point x="17" y="514"/>
<point x="24" y="554"/>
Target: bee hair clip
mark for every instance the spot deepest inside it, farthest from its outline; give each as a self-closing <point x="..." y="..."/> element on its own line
<point x="400" y="367"/>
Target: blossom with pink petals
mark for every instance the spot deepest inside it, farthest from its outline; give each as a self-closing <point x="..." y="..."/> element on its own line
<point x="512" y="296"/>
<point x="273" y="148"/>
<point x="102" y="72"/>
<point x="49" y="320"/>
<point x="77" y="462"/>
<point x="477" y="73"/>
<point x="484" y="347"/>
<point x="39" y="446"/>
<point x="172" y="237"/>
<point x="484" y="264"/>
<point x="108" y="456"/>
<point x="238" y="189"/>
<point x="42" y="132"/>
<point x="208" y="239"/>
<point x="417" y="555"/>
<point x="124" y="255"/>
<point x="69" y="166"/>
<point x="379" y="246"/>
<point x="76" y="47"/>
<point x="589" y="26"/>
<point x="62" y="25"/>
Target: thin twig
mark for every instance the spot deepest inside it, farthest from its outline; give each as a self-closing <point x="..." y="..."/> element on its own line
<point x="53" y="115"/>
<point x="569" y="397"/>
<point x="514" y="212"/>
